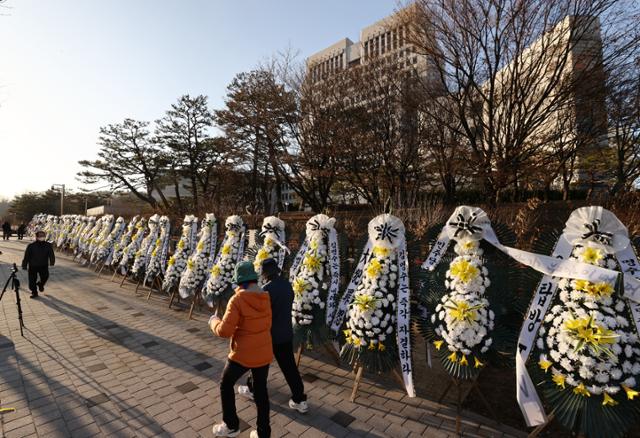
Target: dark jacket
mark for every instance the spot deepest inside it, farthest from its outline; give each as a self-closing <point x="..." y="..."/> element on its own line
<point x="281" y="294"/>
<point x="38" y="254"/>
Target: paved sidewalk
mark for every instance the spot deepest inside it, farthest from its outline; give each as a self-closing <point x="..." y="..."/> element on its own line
<point x="97" y="360"/>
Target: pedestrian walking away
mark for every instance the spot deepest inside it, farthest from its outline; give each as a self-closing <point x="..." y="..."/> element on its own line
<point x="247" y="321"/>
<point x="6" y="230"/>
<point x="38" y="257"/>
<point x="22" y="229"/>
<point x="281" y="294"/>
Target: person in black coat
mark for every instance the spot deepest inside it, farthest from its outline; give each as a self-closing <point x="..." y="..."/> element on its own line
<point x="281" y="294"/>
<point x="6" y="230"/>
<point x="38" y="257"/>
<point x="22" y="229"/>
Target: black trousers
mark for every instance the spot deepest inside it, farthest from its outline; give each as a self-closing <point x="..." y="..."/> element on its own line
<point x="232" y="372"/>
<point x="34" y="272"/>
<point x="287" y="363"/>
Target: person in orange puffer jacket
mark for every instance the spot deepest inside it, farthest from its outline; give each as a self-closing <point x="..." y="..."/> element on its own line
<point x="247" y="321"/>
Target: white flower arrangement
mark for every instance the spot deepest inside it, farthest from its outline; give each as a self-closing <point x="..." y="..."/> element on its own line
<point x="81" y="229"/>
<point x="315" y="277"/>
<point x="588" y="342"/>
<point x="199" y="262"/>
<point x="105" y="229"/>
<point x="105" y="248"/>
<point x="273" y="244"/>
<point x="129" y="253"/>
<point x="220" y="285"/>
<point x="178" y="261"/>
<point x="462" y="320"/>
<point x="158" y="255"/>
<point x="146" y="247"/>
<point x="124" y="240"/>
<point x="68" y="222"/>
<point x="86" y="235"/>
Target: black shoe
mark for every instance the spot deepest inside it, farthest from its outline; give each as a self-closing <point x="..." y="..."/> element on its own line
<point x="40" y="286"/>
<point x="33" y="296"/>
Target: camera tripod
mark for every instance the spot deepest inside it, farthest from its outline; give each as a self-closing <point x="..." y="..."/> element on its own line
<point x="15" y="285"/>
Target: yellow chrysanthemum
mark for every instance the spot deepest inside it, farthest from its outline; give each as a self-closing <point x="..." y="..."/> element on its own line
<point x="154" y="253"/>
<point x="365" y="302"/>
<point x="544" y="364"/>
<point x="381" y="347"/>
<point x="181" y="244"/>
<point x="559" y="380"/>
<point x="631" y="393"/>
<point x="372" y="345"/>
<point x="262" y="254"/>
<point x="596" y="290"/>
<point x="461" y="311"/>
<point x="215" y="271"/>
<point x="591" y="255"/>
<point x="269" y="241"/>
<point x="582" y="390"/>
<point x="200" y="246"/>
<point x="300" y="286"/>
<point x="607" y="400"/>
<point x="463" y="360"/>
<point x="381" y="251"/>
<point x="172" y="261"/>
<point x="477" y="363"/>
<point x="356" y="341"/>
<point x="190" y="264"/>
<point x="464" y="271"/>
<point x="312" y="262"/>
<point x="226" y="250"/>
<point x="374" y="268"/>
<point x="158" y="241"/>
<point x="438" y="344"/>
<point x="453" y="357"/>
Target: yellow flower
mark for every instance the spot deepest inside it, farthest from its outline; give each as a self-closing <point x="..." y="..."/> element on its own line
<point x="380" y="251"/>
<point x="372" y="345"/>
<point x="581" y="390"/>
<point x="190" y="265"/>
<point x="544" y="364"/>
<point x="268" y="241"/>
<point x="461" y="311"/>
<point x="172" y="261"/>
<point x="226" y="249"/>
<point x="356" y="341"/>
<point x="365" y="302"/>
<point x="313" y="244"/>
<point x="607" y="400"/>
<point x="158" y="241"/>
<point x="299" y="286"/>
<point x="589" y="333"/>
<point x="262" y="254"/>
<point x="200" y="246"/>
<point x="312" y="262"/>
<point x="347" y="333"/>
<point x="374" y="268"/>
<point x="464" y="271"/>
<point x="463" y="360"/>
<point x="181" y="244"/>
<point x="453" y="357"/>
<point x="596" y="290"/>
<point x="477" y="364"/>
<point x="215" y="271"/>
<point x="381" y="347"/>
<point x="591" y="255"/>
<point x="154" y="252"/>
<point x="559" y="379"/>
<point x="630" y="392"/>
<point x="468" y="245"/>
<point x="438" y="344"/>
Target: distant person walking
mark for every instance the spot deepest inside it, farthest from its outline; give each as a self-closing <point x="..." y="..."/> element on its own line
<point x="38" y="257"/>
<point x="281" y="294"/>
<point x="6" y="230"/>
<point x="22" y="229"/>
<point x="247" y="321"/>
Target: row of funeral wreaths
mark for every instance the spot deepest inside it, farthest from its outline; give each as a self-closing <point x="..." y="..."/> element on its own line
<point x="580" y="331"/>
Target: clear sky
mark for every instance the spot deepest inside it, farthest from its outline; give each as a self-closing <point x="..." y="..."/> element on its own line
<point x="68" y="67"/>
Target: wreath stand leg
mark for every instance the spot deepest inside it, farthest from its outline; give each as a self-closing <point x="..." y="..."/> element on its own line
<point x="173" y="295"/>
<point x="153" y="283"/>
<point x="194" y="301"/>
<point x="101" y="268"/>
<point x="137" y="286"/>
<point x="124" y="277"/>
<point x="299" y="354"/>
<point x="115" y="272"/>
<point x="356" y="383"/>
<point x="483" y="399"/>
<point x="535" y="432"/>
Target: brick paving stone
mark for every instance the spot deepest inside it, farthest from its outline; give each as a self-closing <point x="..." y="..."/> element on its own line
<point x="99" y="360"/>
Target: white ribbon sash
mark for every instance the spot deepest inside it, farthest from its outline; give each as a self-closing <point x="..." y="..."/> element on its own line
<point x="403" y="334"/>
<point x="334" y="268"/>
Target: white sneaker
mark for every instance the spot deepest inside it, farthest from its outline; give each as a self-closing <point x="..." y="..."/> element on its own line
<point x="301" y="407"/>
<point x="254" y="434"/>
<point x="244" y="391"/>
<point x="221" y="429"/>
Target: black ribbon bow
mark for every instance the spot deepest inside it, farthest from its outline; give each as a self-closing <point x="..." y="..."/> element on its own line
<point x="386" y="231"/>
<point x="594" y="233"/>
<point x="315" y="226"/>
<point x="465" y="225"/>
<point x="233" y="226"/>
<point x="268" y="228"/>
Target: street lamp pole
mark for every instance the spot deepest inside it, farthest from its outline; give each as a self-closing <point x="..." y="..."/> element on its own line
<point x="61" y="187"/>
